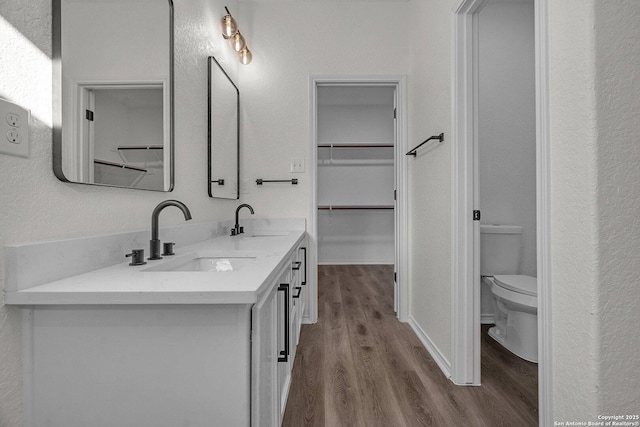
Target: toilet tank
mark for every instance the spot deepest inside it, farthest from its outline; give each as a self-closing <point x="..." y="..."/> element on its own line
<point x="500" y="249"/>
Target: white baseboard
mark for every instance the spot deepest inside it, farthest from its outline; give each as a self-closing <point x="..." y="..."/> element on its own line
<point x="440" y="359"/>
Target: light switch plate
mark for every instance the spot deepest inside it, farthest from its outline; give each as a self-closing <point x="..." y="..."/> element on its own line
<point x="14" y="129"/>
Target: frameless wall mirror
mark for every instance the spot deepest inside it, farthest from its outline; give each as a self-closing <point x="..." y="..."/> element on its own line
<point x="113" y="93"/>
<point x="224" y="134"/>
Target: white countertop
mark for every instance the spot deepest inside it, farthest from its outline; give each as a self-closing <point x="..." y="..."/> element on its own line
<point x="125" y="284"/>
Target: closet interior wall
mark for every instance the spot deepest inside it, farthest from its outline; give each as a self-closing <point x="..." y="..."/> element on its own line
<point x="355" y="184"/>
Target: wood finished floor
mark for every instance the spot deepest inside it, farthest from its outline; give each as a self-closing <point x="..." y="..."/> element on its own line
<point x="359" y="366"/>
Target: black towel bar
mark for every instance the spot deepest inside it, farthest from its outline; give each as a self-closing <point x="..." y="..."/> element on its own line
<point x="438" y="137"/>
<point x="293" y="181"/>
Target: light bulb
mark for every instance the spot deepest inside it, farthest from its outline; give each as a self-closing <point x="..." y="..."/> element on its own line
<point x="229" y="26"/>
<point x="237" y="41"/>
<point x="245" y="56"/>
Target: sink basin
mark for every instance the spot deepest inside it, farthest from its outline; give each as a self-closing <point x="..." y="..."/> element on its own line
<point x="207" y="262"/>
<point x="266" y="234"/>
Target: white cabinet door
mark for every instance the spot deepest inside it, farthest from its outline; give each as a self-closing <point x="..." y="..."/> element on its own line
<point x="275" y="328"/>
<point x="284" y="340"/>
<point x="264" y="381"/>
<point x="301" y="253"/>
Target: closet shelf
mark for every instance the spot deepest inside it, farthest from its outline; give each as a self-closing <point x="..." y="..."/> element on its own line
<point x="345" y="154"/>
<point x="345" y="162"/>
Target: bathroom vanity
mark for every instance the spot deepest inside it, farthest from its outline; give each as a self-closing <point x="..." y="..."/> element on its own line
<point x="206" y="337"/>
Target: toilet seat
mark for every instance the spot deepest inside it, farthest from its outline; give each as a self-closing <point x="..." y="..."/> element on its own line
<point x="515" y="288"/>
<point x="521" y="284"/>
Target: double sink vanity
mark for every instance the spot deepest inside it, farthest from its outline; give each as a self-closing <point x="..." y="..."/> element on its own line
<point x="203" y="337"/>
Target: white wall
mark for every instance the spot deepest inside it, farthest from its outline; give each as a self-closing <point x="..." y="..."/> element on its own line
<point x="35" y="206"/>
<point x="506" y="122"/>
<point x="430" y="172"/>
<point x="595" y="182"/>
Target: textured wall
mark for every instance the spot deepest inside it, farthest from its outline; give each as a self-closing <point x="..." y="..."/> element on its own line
<point x="617" y="92"/>
<point x="35" y="206"/>
<point x="595" y="103"/>
<point x="574" y="225"/>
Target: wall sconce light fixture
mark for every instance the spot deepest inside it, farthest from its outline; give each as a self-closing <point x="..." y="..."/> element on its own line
<point x="230" y="32"/>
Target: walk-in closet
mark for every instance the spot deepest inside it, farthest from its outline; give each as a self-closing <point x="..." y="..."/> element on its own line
<point x="356" y="137"/>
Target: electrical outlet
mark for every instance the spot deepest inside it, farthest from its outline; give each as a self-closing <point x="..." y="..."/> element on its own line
<point x="14" y="120"/>
<point x="297" y="165"/>
<point x="14" y="137"/>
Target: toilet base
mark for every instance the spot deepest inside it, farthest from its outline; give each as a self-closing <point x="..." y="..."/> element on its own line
<point x="516" y="344"/>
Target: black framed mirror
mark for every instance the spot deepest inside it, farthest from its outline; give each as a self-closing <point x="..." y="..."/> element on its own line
<point x="223" y="134"/>
<point x="113" y="93"/>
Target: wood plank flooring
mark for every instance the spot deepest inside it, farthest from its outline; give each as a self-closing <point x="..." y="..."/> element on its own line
<point x="359" y="366"/>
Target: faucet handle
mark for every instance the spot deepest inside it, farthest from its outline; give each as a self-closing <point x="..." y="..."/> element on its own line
<point x="240" y="230"/>
<point x="137" y="257"/>
<point x="168" y="248"/>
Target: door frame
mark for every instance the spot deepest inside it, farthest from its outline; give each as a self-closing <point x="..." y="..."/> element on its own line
<point x="401" y="204"/>
<point x="465" y="363"/>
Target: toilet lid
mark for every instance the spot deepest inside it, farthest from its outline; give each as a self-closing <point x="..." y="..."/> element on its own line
<point x="523" y="284"/>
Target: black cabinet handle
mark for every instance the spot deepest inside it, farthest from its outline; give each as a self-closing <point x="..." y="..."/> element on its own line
<point x="305" y="266"/>
<point x="284" y="354"/>
<point x="299" y="288"/>
<point x="296" y="265"/>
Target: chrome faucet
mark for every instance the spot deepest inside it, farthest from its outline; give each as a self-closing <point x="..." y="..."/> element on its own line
<point x="154" y="243"/>
<point x="237" y="229"/>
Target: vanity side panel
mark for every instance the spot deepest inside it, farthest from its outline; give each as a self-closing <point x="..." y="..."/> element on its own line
<point x="141" y="366"/>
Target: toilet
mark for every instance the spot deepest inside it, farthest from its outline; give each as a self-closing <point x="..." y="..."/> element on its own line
<point x="515" y="295"/>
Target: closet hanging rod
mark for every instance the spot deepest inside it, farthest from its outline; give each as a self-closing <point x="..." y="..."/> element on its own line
<point x="140" y="147"/>
<point x="353" y="207"/>
<point x="293" y="181"/>
<point x="356" y="145"/>
<point x="438" y="137"/>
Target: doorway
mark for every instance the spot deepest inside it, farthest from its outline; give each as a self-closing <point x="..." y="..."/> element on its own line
<point x="358" y="204"/>
<point x="466" y="292"/>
